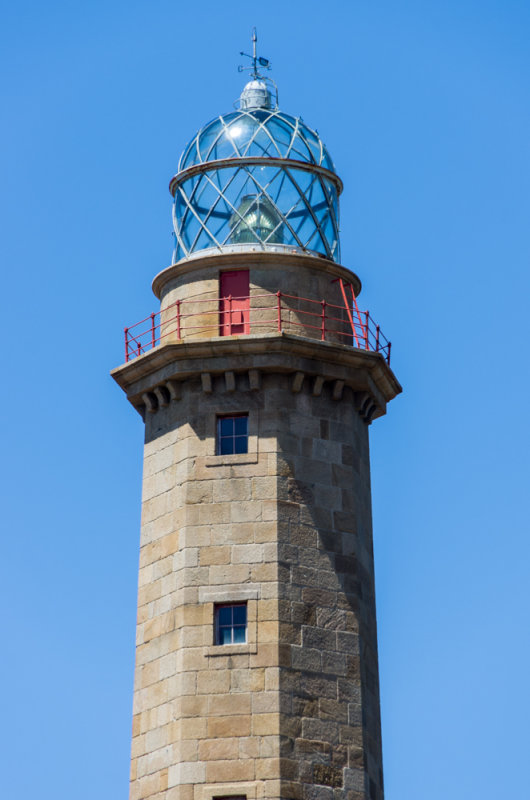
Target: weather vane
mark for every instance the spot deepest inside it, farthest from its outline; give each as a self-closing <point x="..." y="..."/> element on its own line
<point x="256" y="60"/>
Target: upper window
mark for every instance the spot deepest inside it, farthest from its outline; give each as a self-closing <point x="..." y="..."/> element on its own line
<point x="231" y="624"/>
<point x="232" y="434"/>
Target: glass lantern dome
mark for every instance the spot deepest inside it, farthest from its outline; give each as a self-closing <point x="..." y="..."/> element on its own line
<point x="257" y="179"/>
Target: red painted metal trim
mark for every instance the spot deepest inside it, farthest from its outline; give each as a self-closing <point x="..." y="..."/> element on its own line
<point x="234" y="317"/>
<point x="347" y="306"/>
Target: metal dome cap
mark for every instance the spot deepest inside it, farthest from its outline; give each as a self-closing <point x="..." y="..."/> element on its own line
<point x="254" y="179"/>
<point x="256" y="94"/>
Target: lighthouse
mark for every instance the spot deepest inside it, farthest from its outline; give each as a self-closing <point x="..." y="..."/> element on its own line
<point x="257" y="378"/>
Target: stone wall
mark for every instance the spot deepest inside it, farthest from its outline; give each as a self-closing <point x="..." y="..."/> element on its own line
<point x="329" y="685"/>
<point x="294" y="713"/>
<point x="196" y="285"/>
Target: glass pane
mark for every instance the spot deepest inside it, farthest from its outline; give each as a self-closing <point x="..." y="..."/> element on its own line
<point x="227" y="426"/>
<point x="208" y="138"/>
<point x="226" y="446"/>
<point x="225" y="615"/>
<point x="239" y="634"/>
<point x="281" y="133"/>
<point x="240" y="444"/>
<point x="240" y="132"/>
<point x="240" y="615"/>
<point x="240" y="426"/>
<point x="204" y="240"/>
<point x="225" y="636"/>
<point x="265" y="145"/>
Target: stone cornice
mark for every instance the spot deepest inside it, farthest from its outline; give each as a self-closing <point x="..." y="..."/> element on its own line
<point x="159" y="373"/>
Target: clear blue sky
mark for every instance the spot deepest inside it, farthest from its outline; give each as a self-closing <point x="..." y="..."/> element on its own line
<point x="424" y="107"/>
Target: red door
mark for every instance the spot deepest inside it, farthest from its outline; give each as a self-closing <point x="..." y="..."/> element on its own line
<point x="234" y="302"/>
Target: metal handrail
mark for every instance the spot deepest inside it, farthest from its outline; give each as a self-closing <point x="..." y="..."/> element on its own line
<point x="359" y="329"/>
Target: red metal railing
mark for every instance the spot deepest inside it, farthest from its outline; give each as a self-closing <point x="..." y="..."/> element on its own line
<point x="197" y="318"/>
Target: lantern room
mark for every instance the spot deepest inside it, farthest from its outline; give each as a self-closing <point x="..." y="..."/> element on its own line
<point x="259" y="179"/>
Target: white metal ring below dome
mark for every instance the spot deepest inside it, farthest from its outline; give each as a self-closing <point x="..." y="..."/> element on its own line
<point x="223" y="163"/>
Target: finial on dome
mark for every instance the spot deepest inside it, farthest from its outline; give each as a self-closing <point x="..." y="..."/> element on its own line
<point x="256" y="93"/>
<point x="256" y="60"/>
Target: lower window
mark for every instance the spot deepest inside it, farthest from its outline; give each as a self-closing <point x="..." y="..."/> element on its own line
<point x="230" y="797"/>
<point x="231" y="624"/>
<point x="232" y="434"/>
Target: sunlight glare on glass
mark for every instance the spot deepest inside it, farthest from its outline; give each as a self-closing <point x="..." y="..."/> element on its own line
<point x="234" y="131"/>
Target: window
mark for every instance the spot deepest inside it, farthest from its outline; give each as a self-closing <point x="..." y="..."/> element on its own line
<point x="231" y="797"/>
<point x="231" y="624"/>
<point x="232" y="435"/>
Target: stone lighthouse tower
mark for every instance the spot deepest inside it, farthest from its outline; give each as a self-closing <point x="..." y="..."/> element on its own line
<point x="256" y="663"/>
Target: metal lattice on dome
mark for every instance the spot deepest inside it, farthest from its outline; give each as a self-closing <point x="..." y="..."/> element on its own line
<point x="256" y="178"/>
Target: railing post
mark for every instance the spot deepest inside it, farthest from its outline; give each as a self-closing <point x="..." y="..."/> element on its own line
<point x="136" y="345"/>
